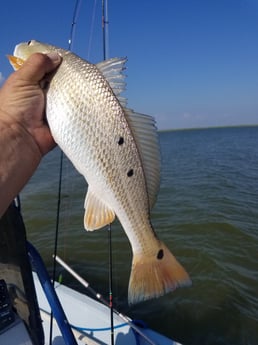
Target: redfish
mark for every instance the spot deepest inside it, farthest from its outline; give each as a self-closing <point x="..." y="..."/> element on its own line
<point x="117" y="151"/>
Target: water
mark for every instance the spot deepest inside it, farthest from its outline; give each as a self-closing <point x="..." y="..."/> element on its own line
<point x="206" y="213"/>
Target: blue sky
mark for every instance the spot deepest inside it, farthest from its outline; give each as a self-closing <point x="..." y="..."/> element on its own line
<point x="191" y="63"/>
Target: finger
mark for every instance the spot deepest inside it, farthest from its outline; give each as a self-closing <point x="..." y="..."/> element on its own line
<point x="38" y="65"/>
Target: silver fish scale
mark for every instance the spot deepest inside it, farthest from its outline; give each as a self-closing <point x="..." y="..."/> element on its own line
<point x="91" y="112"/>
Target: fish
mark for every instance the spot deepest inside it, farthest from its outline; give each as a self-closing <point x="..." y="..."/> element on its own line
<point x="117" y="151"/>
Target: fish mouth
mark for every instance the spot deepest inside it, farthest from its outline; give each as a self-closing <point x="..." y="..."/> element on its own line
<point x="15" y="61"/>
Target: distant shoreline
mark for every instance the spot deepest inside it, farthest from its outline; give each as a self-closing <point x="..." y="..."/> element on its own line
<point x="201" y="128"/>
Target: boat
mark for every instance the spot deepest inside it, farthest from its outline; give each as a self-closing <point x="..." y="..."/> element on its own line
<point x="35" y="310"/>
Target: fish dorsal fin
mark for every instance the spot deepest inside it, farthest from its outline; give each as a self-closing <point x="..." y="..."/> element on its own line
<point x="145" y="133"/>
<point x="112" y="70"/>
<point x="143" y="126"/>
<point x="97" y="214"/>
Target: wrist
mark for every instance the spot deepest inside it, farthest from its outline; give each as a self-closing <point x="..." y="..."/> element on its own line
<point x="20" y="141"/>
<point x="19" y="158"/>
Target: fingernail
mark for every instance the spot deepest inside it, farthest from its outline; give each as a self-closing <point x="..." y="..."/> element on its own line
<point x="55" y="57"/>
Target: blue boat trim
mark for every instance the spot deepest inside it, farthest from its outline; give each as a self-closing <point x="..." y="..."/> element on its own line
<point x="51" y="295"/>
<point x="104" y="329"/>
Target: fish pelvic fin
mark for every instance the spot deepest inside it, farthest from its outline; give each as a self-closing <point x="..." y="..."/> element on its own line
<point x="97" y="214"/>
<point x="155" y="276"/>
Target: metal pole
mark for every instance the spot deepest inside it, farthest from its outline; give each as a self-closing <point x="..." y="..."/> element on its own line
<point x="99" y="297"/>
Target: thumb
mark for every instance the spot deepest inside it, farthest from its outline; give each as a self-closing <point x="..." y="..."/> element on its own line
<point x="38" y="65"/>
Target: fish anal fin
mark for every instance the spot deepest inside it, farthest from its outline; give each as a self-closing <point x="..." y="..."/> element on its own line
<point x="155" y="276"/>
<point x="97" y="214"/>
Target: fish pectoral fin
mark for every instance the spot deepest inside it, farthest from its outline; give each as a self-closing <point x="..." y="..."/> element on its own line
<point x="97" y="214"/>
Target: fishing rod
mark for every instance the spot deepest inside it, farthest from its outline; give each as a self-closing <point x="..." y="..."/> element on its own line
<point x="105" y="55"/>
<point x="74" y="22"/>
<point x="105" y="23"/>
<point x="111" y="284"/>
<point x="70" y="43"/>
<point x="97" y="295"/>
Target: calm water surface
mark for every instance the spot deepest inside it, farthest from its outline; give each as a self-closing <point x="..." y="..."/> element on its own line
<point x="207" y="213"/>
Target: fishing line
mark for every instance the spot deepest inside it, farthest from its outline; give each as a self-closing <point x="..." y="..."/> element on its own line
<point x="70" y="43"/>
<point x="91" y="28"/>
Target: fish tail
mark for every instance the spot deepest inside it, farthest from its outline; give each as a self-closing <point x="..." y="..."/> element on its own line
<point x="154" y="276"/>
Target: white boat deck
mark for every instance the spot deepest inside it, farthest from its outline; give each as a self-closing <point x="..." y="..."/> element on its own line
<point x="90" y="321"/>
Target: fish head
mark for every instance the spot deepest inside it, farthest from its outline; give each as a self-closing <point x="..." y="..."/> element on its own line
<point x="24" y="50"/>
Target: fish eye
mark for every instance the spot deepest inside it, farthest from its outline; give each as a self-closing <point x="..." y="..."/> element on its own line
<point x="29" y="42"/>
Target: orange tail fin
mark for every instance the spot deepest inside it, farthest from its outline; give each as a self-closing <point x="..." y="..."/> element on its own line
<point x="154" y="276"/>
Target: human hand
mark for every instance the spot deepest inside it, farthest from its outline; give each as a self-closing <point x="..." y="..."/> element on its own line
<point x="22" y="99"/>
<point x="24" y="133"/>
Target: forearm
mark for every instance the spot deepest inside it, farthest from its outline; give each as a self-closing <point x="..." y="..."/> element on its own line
<point x="19" y="158"/>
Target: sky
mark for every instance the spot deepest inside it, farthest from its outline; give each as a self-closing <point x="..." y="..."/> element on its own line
<point x="191" y="63"/>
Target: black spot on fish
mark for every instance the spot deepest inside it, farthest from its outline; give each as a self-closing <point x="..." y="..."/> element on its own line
<point x="130" y="173"/>
<point x="120" y="141"/>
<point x="160" y="254"/>
<point x="29" y="42"/>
